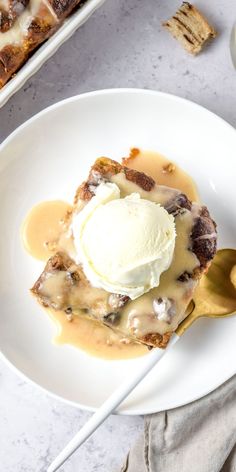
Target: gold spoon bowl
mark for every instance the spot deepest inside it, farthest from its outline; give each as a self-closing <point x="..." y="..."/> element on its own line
<point x="215" y="296"/>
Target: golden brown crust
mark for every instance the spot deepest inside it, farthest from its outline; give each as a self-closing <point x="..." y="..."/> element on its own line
<point x="63" y="8"/>
<point x="38" y="32"/>
<point x="156" y="339"/>
<point x="83" y="193"/>
<point x="139" y="178"/>
<point x="58" y="262"/>
<point x="8" y="17"/>
<point x="5" y="21"/>
<point x="204" y="239"/>
<point x="103" y="169"/>
<point x="11" y="58"/>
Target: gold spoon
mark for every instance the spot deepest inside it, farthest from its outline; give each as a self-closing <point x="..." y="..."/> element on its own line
<point x="215" y="297"/>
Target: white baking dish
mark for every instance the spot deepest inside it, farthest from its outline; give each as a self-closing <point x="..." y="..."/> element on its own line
<point x="48" y="49"/>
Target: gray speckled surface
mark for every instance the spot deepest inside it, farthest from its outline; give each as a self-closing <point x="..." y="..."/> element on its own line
<point x="122" y="45"/>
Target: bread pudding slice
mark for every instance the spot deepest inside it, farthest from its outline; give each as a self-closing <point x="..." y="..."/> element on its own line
<point x="151" y="318"/>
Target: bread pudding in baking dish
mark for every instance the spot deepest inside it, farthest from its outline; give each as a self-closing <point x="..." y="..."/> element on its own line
<point x="24" y="25"/>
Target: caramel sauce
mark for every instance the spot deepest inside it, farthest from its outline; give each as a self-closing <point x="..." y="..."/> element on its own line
<point x="40" y="233"/>
<point x="163" y="171"/>
<point x="42" y="229"/>
<point x="168" y="287"/>
<point x="94" y="338"/>
<point x="134" y="315"/>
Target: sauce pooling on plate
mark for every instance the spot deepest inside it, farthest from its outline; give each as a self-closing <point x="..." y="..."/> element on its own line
<point x="41" y="231"/>
<point x="163" y="171"/>
<point x="42" y="226"/>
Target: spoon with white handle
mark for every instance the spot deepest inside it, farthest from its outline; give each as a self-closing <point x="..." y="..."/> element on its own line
<point x="110" y="405"/>
<point x="215" y="297"/>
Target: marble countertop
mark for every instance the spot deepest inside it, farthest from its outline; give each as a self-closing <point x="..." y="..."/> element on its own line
<point x="122" y="45"/>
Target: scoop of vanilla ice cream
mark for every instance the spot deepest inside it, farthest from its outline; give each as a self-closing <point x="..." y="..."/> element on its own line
<point x="124" y="244"/>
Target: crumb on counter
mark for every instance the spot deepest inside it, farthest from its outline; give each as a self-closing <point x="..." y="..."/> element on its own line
<point x="190" y="28"/>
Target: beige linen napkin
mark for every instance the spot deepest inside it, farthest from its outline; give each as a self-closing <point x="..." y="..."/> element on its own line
<point x="199" y="437"/>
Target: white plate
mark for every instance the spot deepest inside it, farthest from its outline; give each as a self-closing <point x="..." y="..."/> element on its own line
<point x="46" y="50"/>
<point x="46" y="158"/>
